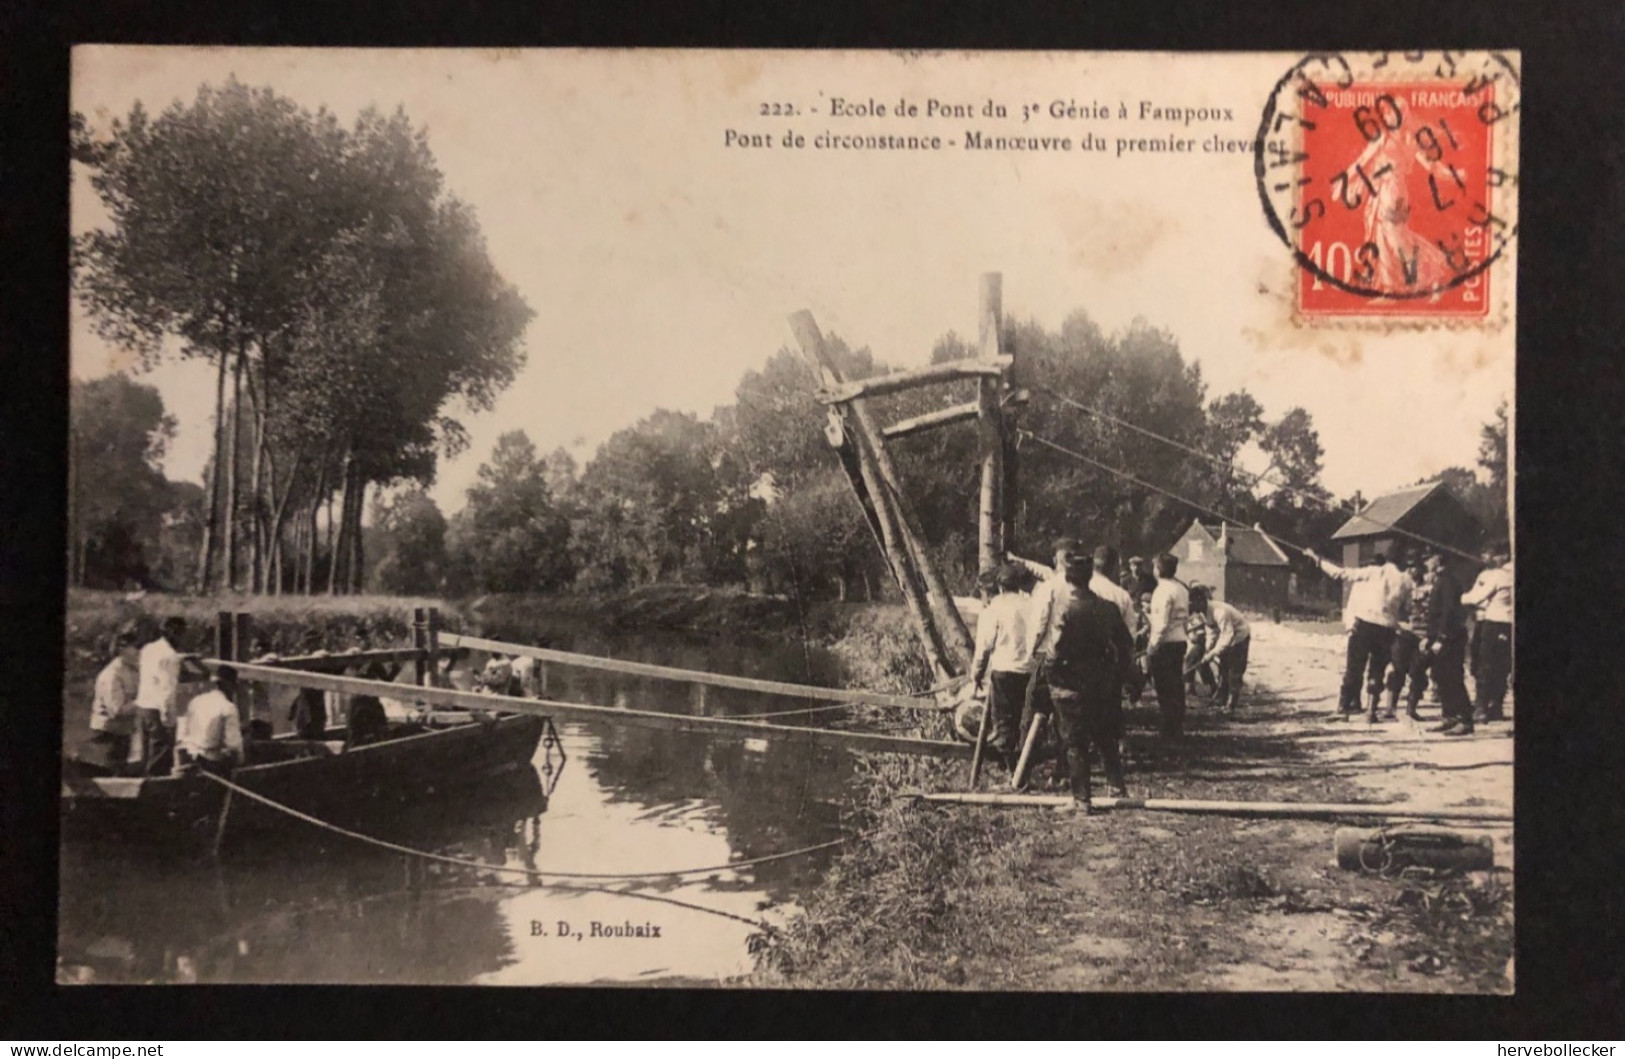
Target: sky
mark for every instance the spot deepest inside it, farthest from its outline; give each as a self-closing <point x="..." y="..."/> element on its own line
<point x="663" y="262"/>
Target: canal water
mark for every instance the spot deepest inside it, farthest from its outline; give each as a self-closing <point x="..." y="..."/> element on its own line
<point x="312" y="907"/>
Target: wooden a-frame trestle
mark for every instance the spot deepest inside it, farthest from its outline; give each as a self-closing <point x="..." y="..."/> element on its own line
<point x="861" y="444"/>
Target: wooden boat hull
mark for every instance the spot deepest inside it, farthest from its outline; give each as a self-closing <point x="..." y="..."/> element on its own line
<point x="320" y="779"/>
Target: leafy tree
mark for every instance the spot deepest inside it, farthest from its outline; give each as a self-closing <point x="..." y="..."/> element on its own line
<point x="118" y="495"/>
<point x="346" y="300"/>
<point x="1484" y="502"/>
<point x="411" y="533"/>
<point x="1299" y="508"/>
<point x="1234" y="421"/>
<point x="815" y="543"/>
<point x="1137" y="376"/>
<point x="1493" y="460"/>
<point x="510" y="537"/>
<point x="663" y="501"/>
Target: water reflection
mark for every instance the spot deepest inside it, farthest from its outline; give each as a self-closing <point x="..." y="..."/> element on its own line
<point x="312" y="907"/>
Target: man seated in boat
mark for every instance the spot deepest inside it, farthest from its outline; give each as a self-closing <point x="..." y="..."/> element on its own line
<point x="497" y="675"/>
<point x="112" y="710"/>
<point x="309" y="710"/>
<point x="257" y="725"/>
<point x="368" y="723"/>
<point x="210" y="734"/>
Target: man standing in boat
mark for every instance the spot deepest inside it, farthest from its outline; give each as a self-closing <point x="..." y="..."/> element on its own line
<point x="112" y="711"/>
<point x="157" y="701"/>
<point x="210" y="736"/>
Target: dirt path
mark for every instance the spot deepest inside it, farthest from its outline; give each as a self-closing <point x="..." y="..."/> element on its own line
<point x="1138" y="900"/>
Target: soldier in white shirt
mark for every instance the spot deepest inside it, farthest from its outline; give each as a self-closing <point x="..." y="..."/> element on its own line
<point x="1050" y="596"/>
<point x="112" y="710"/>
<point x="1003" y="663"/>
<point x="1380" y="592"/>
<point x="1491" y="595"/>
<point x="1230" y="647"/>
<point x="157" y="700"/>
<point x="1165" y="648"/>
<point x="211" y="731"/>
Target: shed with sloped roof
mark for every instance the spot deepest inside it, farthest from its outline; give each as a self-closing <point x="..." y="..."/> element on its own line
<point x="1242" y="566"/>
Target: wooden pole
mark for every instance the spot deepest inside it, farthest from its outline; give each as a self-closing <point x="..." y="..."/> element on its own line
<point x="459" y="641"/>
<point x="242" y="635"/>
<point x="990" y="526"/>
<point x="955" y="635"/>
<point x="1019" y="777"/>
<point x="1273" y="810"/>
<point x="574" y="711"/>
<point x="433" y="643"/>
<point x="220" y="825"/>
<point x="420" y="645"/>
<point x="891" y="531"/>
<point x="981" y="740"/>
<point x="959" y="413"/>
<point x="222" y="635"/>
<point x="1012" y="483"/>
<point x="898" y="381"/>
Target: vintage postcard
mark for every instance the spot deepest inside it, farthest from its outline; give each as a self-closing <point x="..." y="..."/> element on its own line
<point x="801" y="520"/>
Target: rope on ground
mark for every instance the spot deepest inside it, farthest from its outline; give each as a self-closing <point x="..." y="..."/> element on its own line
<point x="1256" y="477"/>
<point x="466" y="863"/>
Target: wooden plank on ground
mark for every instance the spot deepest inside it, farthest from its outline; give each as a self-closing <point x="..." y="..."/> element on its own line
<point x="573" y="711"/>
<point x="716" y="680"/>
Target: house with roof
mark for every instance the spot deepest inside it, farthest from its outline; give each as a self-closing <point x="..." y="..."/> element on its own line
<point x="1421" y="517"/>
<point x="1242" y="566"/>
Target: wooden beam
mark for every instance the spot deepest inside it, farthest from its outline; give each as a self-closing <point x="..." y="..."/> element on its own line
<point x="340" y="662"/>
<point x="958" y="413"/>
<point x="990" y="546"/>
<point x="574" y="711"/>
<point x="716" y="680"/>
<point x="906" y="380"/>
<point x="1274" y="810"/>
<point x="894" y="539"/>
<point x="953" y="413"/>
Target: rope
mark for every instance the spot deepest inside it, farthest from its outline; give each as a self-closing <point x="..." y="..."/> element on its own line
<point x="1256" y="477"/>
<point x="1154" y="488"/>
<point x="466" y="863"/>
<point x="927" y="707"/>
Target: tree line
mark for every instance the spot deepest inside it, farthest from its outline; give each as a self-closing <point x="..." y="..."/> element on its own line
<point x="344" y="299"/>
<point x="350" y="312"/>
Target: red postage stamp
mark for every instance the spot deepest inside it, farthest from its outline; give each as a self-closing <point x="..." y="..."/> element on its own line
<point x="1389" y="178"/>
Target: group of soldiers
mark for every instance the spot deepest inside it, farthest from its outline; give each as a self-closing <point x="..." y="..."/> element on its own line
<point x="137" y="717"/>
<point x="1073" y="640"/>
<point x="141" y="724"/>
<point x="1408" y="621"/>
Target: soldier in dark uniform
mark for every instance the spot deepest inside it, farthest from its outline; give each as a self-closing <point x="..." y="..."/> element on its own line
<point x="1445" y="640"/>
<point x="1091" y="661"/>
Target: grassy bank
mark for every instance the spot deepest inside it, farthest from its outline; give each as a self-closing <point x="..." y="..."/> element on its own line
<point x="94" y="617"/>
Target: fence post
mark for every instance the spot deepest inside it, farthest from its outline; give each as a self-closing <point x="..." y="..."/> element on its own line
<point x="420" y="644"/>
<point x="222" y="636"/>
<point x="434" y="644"/>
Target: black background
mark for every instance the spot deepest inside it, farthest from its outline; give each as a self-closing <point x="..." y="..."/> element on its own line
<point x="1570" y="411"/>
